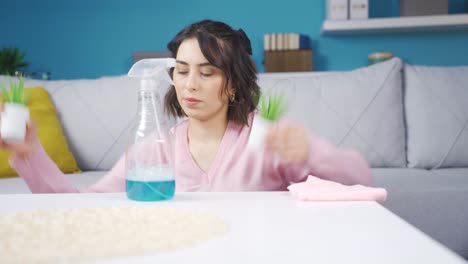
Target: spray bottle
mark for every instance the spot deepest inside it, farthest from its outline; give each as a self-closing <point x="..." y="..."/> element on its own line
<point x="149" y="159"/>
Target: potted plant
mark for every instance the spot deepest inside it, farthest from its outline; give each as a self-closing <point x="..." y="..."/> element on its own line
<point x="12" y="61"/>
<point x="271" y="108"/>
<point x="15" y="113"/>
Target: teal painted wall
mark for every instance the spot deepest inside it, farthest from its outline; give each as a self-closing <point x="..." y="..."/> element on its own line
<point x="93" y="38"/>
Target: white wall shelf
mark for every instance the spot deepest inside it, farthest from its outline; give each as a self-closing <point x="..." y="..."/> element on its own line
<point x="395" y="24"/>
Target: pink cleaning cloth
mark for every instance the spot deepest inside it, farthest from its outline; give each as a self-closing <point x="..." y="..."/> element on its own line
<point x="315" y="189"/>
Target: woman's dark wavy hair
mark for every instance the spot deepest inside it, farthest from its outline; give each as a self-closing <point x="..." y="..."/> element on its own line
<point x="228" y="50"/>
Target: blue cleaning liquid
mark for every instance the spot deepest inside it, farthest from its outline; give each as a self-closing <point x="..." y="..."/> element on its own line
<point x="150" y="183"/>
<point x="150" y="190"/>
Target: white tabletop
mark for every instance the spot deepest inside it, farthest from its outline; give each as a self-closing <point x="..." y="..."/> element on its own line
<point x="271" y="227"/>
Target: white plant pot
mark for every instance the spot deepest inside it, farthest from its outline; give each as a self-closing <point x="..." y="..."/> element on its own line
<point x="258" y="132"/>
<point x="14" y="118"/>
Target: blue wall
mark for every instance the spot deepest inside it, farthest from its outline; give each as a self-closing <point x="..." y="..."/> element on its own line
<point x="92" y="38"/>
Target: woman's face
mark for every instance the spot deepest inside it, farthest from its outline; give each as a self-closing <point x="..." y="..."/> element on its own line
<point x="198" y="84"/>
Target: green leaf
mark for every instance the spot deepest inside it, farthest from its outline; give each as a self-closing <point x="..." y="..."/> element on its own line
<point x="16" y="92"/>
<point x="6" y="94"/>
<point x="263" y="109"/>
<point x="272" y="107"/>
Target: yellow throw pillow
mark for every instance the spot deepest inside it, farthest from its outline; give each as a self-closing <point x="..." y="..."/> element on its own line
<point x="49" y="131"/>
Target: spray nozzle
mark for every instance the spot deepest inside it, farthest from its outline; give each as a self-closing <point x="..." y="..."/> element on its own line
<point x="153" y="69"/>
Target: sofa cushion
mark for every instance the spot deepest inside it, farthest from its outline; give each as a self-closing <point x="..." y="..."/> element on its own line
<point x="97" y="116"/>
<point x="436" y="103"/>
<point x="360" y="109"/>
<point x="420" y="180"/>
<point x="49" y="132"/>
<point x="434" y="201"/>
<point x="452" y="173"/>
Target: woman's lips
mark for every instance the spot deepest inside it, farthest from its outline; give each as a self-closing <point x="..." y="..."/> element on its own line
<point x="191" y="101"/>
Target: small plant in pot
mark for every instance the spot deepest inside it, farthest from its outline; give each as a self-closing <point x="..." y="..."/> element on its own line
<point x="15" y="113"/>
<point x="271" y="108"/>
<point x="12" y="61"/>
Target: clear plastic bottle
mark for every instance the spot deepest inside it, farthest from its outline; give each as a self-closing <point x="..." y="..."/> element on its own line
<point x="149" y="159"/>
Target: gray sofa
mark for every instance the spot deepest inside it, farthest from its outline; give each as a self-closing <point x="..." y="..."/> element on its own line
<point x="410" y="122"/>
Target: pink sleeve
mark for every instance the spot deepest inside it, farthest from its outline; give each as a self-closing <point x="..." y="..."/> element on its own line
<point x="42" y="175"/>
<point x="329" y="163"/>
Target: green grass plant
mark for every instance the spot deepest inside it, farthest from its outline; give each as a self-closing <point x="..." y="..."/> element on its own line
<point x="14" y="94"/>
<point x="272" y="107"/>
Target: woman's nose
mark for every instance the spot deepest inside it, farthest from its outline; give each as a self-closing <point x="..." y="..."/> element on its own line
<point x="192" y="82"/>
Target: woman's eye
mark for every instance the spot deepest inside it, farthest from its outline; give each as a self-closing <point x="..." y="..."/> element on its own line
<point x="206" y="74"/>
<point x="182" y="72"/>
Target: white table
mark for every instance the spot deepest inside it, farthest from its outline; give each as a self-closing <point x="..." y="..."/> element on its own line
<point x="271" y="227"/>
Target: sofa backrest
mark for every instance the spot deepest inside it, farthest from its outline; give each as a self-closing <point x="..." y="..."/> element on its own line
<point x="436" y="102"/>
<point x="98" y="117"/>
<point x="360" y="109"/>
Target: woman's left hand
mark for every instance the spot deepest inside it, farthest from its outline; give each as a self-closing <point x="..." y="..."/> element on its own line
<point x="289" y="140"/>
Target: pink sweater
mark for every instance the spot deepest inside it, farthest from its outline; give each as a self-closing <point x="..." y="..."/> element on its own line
<point x="234" y="168"/>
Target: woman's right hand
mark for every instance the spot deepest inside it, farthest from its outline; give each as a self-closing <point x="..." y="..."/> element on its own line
<point x="24" y="148"/>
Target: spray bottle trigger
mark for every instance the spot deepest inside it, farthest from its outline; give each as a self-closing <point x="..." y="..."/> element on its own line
<point x="160" y="73"/>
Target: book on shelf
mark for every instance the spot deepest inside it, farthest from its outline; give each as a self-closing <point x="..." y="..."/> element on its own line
<point x="285" y="41"/>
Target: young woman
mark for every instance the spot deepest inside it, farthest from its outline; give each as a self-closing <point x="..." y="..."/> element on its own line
<point x="215" y="88"/>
